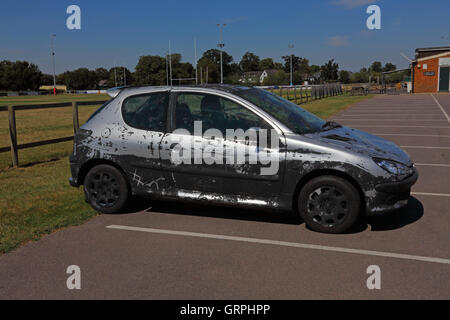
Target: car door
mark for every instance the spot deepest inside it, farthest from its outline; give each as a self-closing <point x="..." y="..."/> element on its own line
<point x="145" y="117"/>
<point x="211" y="143"/>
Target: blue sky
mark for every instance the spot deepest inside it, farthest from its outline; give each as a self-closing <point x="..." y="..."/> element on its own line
<point x="119" y="32"/>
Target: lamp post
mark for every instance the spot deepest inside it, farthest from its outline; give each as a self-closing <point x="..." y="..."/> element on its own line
<point x="221" y="45"/>
<point x="290" y="46"/>
<point x="53" y="62"/>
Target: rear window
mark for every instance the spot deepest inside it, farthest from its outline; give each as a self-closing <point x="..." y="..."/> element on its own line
<point x="146" y="111"/>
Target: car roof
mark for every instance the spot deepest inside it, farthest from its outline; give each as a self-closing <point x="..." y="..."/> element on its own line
<point x="233" y="89"/>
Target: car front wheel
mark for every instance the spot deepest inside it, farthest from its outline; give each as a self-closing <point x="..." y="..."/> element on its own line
<point x="329" y="204"/>
<point x="106" y="189"/>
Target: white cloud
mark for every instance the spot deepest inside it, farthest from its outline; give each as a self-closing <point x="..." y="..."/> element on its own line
<point x="350" y="4"/>
<point x="337" y="41"/>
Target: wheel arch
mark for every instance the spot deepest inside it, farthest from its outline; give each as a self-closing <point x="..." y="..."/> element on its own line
<point x="88" y="165"/>
<point x="326" y="172"/>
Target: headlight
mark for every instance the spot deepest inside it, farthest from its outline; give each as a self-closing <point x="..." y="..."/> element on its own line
<point x="392" y="166"/>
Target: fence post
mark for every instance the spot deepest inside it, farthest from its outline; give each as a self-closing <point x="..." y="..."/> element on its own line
<point x="13" y="135"/>
<point x="281" y="91"/>
<point x="306" y="94"/>
<point x="295" y="94"/>
<point x="76" y="123"/>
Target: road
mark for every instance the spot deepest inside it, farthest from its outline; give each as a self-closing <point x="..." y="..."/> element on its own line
<point x="177" y="251"/>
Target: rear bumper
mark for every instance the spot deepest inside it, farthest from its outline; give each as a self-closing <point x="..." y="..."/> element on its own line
<point x="73" y="182"/>
<point x="391" y="196"/>
<point x="74" y="170"/>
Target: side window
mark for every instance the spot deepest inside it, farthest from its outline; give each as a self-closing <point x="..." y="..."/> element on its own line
<point x="146" y="111"/>
<point x="214" y="112"/>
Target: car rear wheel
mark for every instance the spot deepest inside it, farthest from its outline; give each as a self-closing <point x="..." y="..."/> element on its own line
<point x="106" y="189"/>
<point x="329" y="204"/>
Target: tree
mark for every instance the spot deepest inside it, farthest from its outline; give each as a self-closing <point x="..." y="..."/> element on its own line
<point x="46" y="79"/>
<point x="249" y="62"/>
<point x="181" y="70"/>
<point x="101" y="74"/>
<point x="80" y="79"/>
<point x="278" y="78"/>
<point x="208" y="70"/>
<point x="376" y="67"/>
<point x="298" y="64"/>
<point x="150" y="70"/>
<point x="389" y="67"/>
<point x="344" y="76"/>
<point x="278" y="66"/>
<point x="122" y="76"/>
<point x="266" y="63"/>
<point x="19" y="75"/>
<point x="359" y="77"/>
<point x="329" y="71"/>
<point x="234" y="68"/>
<point x="213" y="55"/>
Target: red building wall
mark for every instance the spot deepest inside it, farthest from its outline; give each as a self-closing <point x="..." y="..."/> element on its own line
<point x="424" y="83"/>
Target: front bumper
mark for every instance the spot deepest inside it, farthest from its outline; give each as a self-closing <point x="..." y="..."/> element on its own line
<point x="390" y="196"/>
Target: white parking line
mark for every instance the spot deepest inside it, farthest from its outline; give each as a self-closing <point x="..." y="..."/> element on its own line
<point x="355" y="114"/>
<point x="442" y="109"/>
<point x="395" y="126"/>
<point x="432" y="164"/>
<point x="424" y="147"/>
<point x="431" y="194"/>
<point x="284" y="243"/>
<point x="399" y="120"/>
<point x="412" y="135"/>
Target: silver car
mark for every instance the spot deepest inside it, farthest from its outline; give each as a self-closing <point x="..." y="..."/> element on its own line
<point x="236" y="146"/>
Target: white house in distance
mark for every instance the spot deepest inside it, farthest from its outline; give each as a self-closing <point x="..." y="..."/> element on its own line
<point x="256" y="76"/>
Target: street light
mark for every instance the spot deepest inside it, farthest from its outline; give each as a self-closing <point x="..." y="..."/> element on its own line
<point x="53" y="62"/>
<point x="291" y="46"/>
<point x="221" y="45"/>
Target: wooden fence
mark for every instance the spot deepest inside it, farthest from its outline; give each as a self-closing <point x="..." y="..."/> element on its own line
<point x="14" y="147"/>
<point x="301" y="94"/>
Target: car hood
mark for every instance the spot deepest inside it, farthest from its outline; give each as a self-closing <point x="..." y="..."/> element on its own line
<point x="362" y="143"/>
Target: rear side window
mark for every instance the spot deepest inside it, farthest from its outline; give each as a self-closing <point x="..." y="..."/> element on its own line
<point x="99" y="109"/>
<point x="146" y="111"/>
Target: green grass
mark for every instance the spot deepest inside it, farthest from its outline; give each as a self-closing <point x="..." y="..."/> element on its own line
<point x="36" y="199"/>
<point x="325" y="108"/>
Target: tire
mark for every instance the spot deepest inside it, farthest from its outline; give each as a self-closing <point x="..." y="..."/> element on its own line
<point x="106" y="189"/>
<point x="329" y="204"/>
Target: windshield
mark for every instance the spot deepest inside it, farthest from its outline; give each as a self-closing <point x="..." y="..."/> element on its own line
<point x="291" y="115"/>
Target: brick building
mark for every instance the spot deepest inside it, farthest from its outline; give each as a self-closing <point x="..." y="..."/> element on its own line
<point x="430" y="70"/>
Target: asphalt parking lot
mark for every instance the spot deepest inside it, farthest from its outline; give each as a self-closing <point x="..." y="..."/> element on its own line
<point x="178" y="251"/>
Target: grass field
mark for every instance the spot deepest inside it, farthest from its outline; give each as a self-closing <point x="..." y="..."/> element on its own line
<point x="42" y="124"/>
<point x="36" y="198"/>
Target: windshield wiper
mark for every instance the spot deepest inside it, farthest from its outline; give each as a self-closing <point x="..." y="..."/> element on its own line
<point x="330" y="125"/>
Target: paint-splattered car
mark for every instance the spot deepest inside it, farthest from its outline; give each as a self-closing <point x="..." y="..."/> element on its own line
<point x="237" y="146"/>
